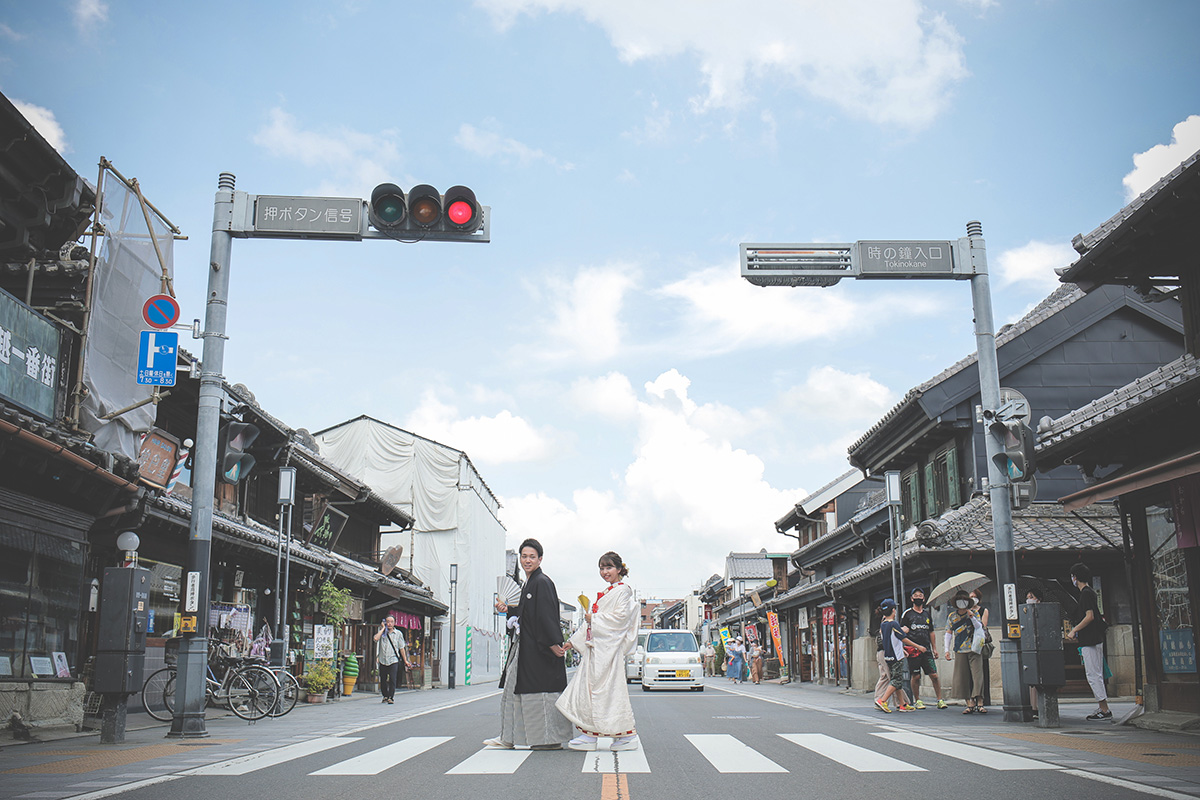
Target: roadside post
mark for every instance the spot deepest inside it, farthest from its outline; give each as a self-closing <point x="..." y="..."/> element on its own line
<point x="824" y="264"/>
<point x="421" y="214"/>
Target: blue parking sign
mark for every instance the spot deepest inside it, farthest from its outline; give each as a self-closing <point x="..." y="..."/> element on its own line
<point x="157" y="354"/>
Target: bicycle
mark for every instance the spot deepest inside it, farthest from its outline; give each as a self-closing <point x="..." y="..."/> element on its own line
<point x="289" y="691"/>
<point x="248" y="689"/>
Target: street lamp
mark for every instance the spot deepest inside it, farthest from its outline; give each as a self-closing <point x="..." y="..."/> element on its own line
<point x="891" y="481"/>
<point x="129" y="541"/>
<point x="287" y="497"/>
<point x="453" y="621"/>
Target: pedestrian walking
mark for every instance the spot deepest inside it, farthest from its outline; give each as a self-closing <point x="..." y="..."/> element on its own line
<point x="885" y="674"/>
<point x="894" y="642"/>
<point x="597" y="698"/>
<point x="964" y="641"/>
<point x="536" y="673"/>
<point x="736" y="652"/>
<point x="710" y="655"/>
<point x="756" y="662"/>
<point x="392" y="652"/>
<point x="917" y="622"/>
<point x="1087" y="631"/>
<point x="981" y="611"/>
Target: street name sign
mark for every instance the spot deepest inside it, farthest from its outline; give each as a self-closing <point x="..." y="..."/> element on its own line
<point x="904" y="259"/>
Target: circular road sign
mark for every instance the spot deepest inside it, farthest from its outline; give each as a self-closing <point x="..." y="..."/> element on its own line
<point x="161" y="311"/>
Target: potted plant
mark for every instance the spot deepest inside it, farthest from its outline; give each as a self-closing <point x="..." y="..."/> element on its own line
<point x="349" y="673"/>
<point x="319" y="679"/>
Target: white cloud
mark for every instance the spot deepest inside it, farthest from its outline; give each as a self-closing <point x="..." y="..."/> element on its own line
<point x="1033" y="264"/>
<point x="1150" y="166"/>
<point x="43" y="121"/>
<point x="489" y="144"/>
<point x="499" y="439"/>
<point x="888" y="61"/>
<point x="723" y="312"/>
<point x="89" y="13"/>
<point x="585" y="322"/>
<point x="10" y="34"/>
<point x="609" y="396"/>
<point x="352" y="161"/>
<point x="831" y="394"/>
<point x="686" y="494"/>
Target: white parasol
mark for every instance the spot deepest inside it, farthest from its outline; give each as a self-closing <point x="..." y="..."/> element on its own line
<point x="966" y="581"/>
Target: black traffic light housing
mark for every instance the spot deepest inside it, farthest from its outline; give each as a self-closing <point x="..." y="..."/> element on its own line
<point x="454" y="216"/>
<point x="233" y="440"/>
<point x="1019" y="442"/>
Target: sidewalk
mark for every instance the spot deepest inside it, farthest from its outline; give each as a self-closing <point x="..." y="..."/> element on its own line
<point x="63" y="763"/>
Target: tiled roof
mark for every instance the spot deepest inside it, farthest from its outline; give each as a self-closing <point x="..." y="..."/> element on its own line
<point x="263" y="536"/>
<point x="1167" y="379"/>
<point x="115" y="463"/>
<point x="748" y="565"/>
<point x="1085" y="242"/>
<point x="1041" y="527"/>
<point x="1059" y="299"/>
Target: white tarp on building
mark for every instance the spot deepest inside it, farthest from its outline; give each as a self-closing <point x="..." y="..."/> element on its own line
<point x="456" y="522"/>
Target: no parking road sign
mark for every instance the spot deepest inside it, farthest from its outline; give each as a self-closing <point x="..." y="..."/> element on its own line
<point x="161" y="311"/>
<point x="157" y="353"/>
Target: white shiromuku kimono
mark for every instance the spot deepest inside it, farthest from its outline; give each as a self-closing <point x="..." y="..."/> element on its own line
<point x="597" y="698"/>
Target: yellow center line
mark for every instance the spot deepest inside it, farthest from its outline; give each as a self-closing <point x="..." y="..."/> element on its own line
<point x="614" y="787"/>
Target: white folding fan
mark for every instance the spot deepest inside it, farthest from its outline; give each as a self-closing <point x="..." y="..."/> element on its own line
<point x="508" y="591"/>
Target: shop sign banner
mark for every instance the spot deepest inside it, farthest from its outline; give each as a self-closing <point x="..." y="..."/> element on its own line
<point x="32" y="358"/>
<point x="773" y="623"/>
<point x="1178" y="651"/>
<point x="322" y="641"/>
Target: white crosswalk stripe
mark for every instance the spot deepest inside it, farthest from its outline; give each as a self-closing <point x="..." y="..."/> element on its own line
<point x="492" y="762"/>
<point x="376" y="761"/>
<point x="857" y="758"/>
<point x="728" y="754"/>
<point x="965" y="752"/>
<point x="269" y="758"/>
<point x="604" y="760"/>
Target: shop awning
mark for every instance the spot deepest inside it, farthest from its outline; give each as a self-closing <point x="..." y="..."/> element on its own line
<point x="1143" y="478"/>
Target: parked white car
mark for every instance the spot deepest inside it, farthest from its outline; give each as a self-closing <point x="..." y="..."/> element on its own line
<point x="672" y="661"/>
<point x="633" y="661"/>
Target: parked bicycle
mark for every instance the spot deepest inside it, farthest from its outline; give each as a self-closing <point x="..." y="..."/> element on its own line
<point x="247" y="687"/>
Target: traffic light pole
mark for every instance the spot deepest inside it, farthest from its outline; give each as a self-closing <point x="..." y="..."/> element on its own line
<point x="188" y="721"/>
<point x="999" y="488"/>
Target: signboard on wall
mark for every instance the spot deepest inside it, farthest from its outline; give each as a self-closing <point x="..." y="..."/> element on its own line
<point x="33" y="356"/>
<point x="157" y="458"/>
<point x="327" y="526"/>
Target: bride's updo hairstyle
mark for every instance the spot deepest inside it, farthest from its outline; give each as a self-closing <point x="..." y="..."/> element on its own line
<point x="611" y="559"/>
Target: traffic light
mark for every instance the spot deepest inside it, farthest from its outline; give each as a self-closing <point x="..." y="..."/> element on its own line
<point x="1019" y="441"/>
<point x="422" y="211"/>
<point x="234" y="439"/>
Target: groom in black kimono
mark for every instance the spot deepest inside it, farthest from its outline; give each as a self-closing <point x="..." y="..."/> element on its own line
<point x="537" y="675"/>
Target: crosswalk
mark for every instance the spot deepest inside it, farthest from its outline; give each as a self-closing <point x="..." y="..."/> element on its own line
<point x="724" y="753"/>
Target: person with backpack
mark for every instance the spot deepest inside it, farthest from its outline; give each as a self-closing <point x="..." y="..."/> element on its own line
<point x="392" y="653"/>
<point x="1088" y="631"/>
<point x="894" y="642"/>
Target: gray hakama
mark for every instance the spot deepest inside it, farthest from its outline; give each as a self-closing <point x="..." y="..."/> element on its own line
<point x="527" y="720"/>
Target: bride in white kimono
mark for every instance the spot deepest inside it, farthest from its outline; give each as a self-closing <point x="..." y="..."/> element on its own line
<point x="597" y="698"/>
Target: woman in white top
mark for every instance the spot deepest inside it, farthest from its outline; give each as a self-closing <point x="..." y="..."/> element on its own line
<point x="597" y="698"/>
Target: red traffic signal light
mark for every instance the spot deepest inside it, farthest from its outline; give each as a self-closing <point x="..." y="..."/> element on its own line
<point x="423" y="210"/>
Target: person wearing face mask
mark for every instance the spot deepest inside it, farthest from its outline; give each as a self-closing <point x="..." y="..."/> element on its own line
<point x="1088" y="632"/>
<point x="964" y="640"/>
<point x="1033" y="595"/>
<point x="981" y="611"/>
<point x="917" y="622"/>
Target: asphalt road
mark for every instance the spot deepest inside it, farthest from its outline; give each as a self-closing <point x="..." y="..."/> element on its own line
<point x="725" y="742"/>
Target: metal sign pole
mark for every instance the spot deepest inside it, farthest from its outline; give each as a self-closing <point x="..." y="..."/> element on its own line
<point x="998" y="483"/>
<point x="188" y="721"/>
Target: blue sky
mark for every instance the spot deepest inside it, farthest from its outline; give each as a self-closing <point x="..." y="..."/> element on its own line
<point x="616" y="383"/>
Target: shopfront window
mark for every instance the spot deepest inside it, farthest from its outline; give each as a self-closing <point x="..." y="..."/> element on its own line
<point x="165" y="580"/>
<point x="1172" y="595"/>
<point x="41" y="580"/>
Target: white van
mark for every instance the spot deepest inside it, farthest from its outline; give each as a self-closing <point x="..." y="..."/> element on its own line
<point x="633" y="661"/>
<point x="672" y="661"/>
